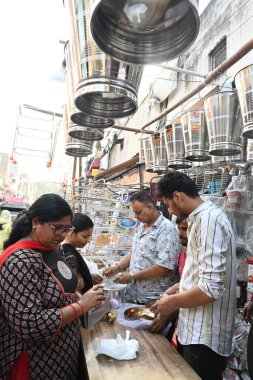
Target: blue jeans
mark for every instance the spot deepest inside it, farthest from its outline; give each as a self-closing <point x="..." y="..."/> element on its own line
<point x="207" y="363"/>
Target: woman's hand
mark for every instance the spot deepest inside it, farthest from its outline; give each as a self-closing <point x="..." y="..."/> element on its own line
<point x="247" y="312"/>
<point x="96" y="278"/>
<point x="111" y="271"/>
<point x="92" y="298"/>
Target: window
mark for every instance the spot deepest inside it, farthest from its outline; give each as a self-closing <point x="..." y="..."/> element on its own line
<point x="218" y="54"/>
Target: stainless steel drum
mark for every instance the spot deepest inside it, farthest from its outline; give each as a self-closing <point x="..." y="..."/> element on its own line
<point x="249" y="150"/>
<point x="105" y="87"/>
<point x="81" y="118"/>
<point x="146" y="31"/>
<point x="195" y="135"/>
<point x="148" y="153"/>
<point x="85" y="133"/>
<point x="174" y="141"/>
<point x="78" y="148"/>
<point x="76" y="115"/>
<point x="159" y="153"/>
<point x="141" y="150"/>
<point x="244" y="88"/>
<point x="224" y="123"/>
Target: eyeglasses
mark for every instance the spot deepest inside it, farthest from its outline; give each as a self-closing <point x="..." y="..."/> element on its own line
<point x="61" y="230"/>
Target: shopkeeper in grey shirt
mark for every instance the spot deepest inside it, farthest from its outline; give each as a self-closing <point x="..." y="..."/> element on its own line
<point x="154" y="253"/>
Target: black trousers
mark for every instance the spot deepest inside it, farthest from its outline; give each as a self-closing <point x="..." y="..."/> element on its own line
<point x="207" y="363"/>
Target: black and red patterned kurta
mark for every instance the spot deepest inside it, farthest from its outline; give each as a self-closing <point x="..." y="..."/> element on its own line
<point x="33" y="286"/>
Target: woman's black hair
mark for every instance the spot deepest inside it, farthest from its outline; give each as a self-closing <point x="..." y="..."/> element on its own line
<point x="81" y="222"/>
<point x="47" y="208"/>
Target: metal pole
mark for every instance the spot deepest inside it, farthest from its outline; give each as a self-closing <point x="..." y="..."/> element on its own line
<point x="132" y="130"/>
<point x="183" y="71"/>
<point x="210" y="77"/>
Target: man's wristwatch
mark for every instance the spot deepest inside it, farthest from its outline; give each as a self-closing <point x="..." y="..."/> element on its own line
<point x="132" y="276"/>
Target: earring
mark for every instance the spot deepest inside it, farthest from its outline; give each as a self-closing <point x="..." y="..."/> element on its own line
<point x="34" y="227"/>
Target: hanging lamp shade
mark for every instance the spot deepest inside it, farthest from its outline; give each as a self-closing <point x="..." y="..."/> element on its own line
<point x="104" y="87"/>
<point x="224" y="123"/>
<point x="144" y="31"/>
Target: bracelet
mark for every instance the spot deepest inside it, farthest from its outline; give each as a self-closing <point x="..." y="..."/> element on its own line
<point x="74" y="309"/>
<point x="132" y="277"/>
<point x="81" y="306"/>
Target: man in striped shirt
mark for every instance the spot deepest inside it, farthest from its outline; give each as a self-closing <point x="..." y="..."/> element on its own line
<point x="207" y="293"/>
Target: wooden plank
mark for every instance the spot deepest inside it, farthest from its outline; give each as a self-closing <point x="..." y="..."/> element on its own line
<point x="156" y="359"/>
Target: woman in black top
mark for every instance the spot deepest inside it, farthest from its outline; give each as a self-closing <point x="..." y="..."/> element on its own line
<point x="78" y="238"/>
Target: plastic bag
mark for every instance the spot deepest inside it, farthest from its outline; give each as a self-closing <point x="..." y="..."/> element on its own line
<point x="119" y="348"/>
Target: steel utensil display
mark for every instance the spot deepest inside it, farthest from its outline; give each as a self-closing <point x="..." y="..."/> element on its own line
<point x="224" y="123"/>
<point x="146" y="31"/>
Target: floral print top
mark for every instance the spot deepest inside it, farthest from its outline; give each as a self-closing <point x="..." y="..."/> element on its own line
<point x="158" y="245"/>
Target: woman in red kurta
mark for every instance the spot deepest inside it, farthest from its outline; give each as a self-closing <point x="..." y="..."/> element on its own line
<point x="39" y="333"/>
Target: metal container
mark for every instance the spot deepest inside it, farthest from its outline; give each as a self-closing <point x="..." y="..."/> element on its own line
<point x="76" y="116"/>
<point x="141" y="150"/>
<point x="174" y="141"/>
<point x="249" y="150"/>
<point x="81" y="118"/>
<point x="105" y="87"/>
<point x="148" y="153"/>
<point x="244" y="88"/>
<point x="159" y="153"/>
<point x="224" y="123"/>
<point x="195" y="135"/>
<point x="146" y="31"/>
<point x="85" y="133"/>
<point x="77" y="148"/>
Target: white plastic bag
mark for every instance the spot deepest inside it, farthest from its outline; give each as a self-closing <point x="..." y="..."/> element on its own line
<point x="119" y="348"/>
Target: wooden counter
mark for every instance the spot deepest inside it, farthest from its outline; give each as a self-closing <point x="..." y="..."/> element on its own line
<point x="156" y="360"/>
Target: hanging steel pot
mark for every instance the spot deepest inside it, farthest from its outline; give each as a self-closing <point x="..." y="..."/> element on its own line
<point x="195" y="135"/>
<point x="244" y="88"/>
<point x="146" y="31"/>
<point x="174" y="141"/>
<point x="85" y="133"/>
<point x="148" y="153"/>
<point x="224" y="123"/>
<point x="159" y="153"/>
<point x="78" y="148"/>
<point x="105" y="88"/>
<point x="76" y="116"/>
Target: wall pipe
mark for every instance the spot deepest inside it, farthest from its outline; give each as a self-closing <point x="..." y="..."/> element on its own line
<point x="246" y="48"/>
<point x="183" y="71"/>
<point x="132" y="129"/>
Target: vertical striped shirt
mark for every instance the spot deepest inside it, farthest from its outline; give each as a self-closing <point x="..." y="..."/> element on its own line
<point x="211" y="265"/>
